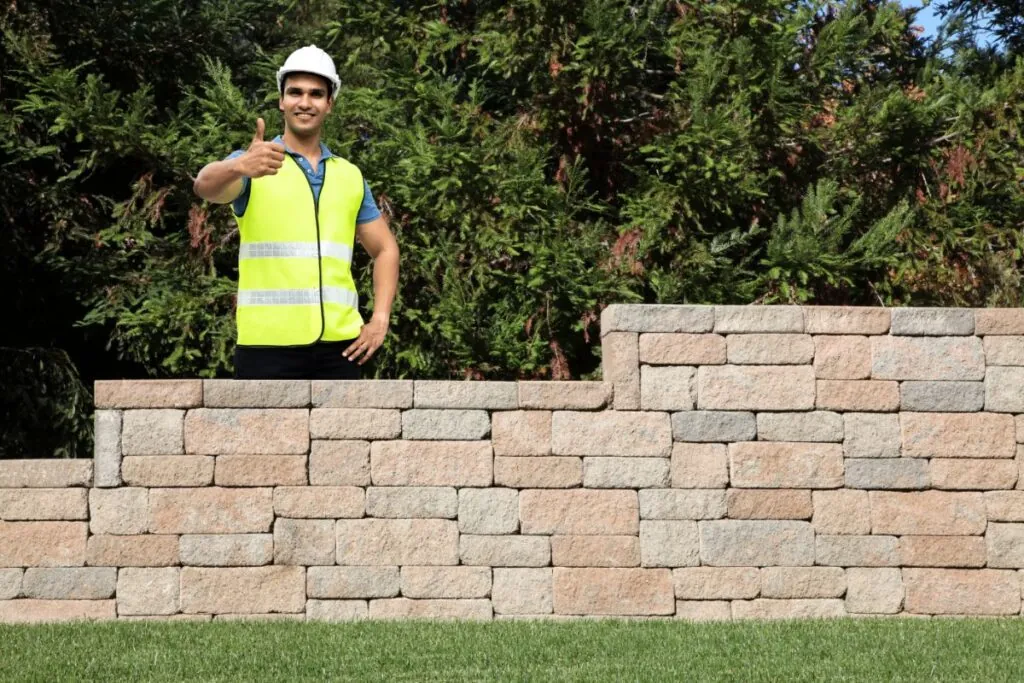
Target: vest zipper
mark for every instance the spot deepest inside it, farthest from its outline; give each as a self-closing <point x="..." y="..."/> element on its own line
<point x="319" y="256"/>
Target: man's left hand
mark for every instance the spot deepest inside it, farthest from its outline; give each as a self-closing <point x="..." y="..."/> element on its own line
<point x="371" y="336"/>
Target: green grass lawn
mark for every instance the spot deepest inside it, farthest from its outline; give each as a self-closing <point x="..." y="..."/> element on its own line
<point x="869" y="650"/>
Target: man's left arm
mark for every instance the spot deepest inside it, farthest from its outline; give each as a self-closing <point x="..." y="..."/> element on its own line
<point x="376" y="238"/>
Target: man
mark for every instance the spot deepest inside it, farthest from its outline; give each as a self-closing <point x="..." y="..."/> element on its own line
<point x="299" y="208"/>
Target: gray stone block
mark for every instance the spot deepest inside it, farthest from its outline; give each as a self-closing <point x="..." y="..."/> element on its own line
<point x="714" y="426"/>
<point x="937" y="322"/>
<point x="942" y="397"/>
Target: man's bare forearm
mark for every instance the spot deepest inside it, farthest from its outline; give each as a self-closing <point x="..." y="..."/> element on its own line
<point x="385" y="282"/>
<point x="219" y="182"/>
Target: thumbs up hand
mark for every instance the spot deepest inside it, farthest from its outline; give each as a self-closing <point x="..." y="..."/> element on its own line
<point x="262" y="158"/>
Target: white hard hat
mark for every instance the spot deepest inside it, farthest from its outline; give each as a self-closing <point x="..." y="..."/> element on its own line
<point x="313" y="60"/>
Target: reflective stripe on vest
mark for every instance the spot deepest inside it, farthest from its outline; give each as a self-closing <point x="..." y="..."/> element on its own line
<point x="295" y="283"/>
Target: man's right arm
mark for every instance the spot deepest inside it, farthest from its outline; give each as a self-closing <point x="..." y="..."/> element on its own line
<point x="221" y="182"/>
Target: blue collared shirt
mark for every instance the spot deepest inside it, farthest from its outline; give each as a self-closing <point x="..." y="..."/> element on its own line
<point x="367" y="212"/>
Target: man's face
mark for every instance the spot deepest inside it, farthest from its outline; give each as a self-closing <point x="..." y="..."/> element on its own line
<point x="304" y="103"/>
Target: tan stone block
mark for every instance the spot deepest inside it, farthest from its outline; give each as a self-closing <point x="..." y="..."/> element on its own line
<point x="846" y="320"/>
<point x="210" y="510"/>
<point x="703" y="610"/>
<point x="362" y="393"/>
<point x="927" y="513"/>
<point x="431" y="463"/>
<point x="962" y="591"/>
<point x="579" y="512"/>
<point x="10" y="583"/>
<point x="52" y="473"/>
<point x="397" y="542"/>
<point x="336" y="610"/>
<point x="523" y="591"/>
<point x="803" y="582"/>
<point x="152" y="432"/>
<point x="682" y="349"/>
<point x="657" y="318"/>
<point x="107" y="447"/>
<point x="620" y="363"/>
<point x="43" y="504"/>
<point x="613" y="592"/>
<point x="998" y="321"/>
<point x="406" y="502"/>
<point x="1004" y="389"/>
<point x="488" y="511"/>
<point x="788" y="609"/>
<point x="973" y="474"/>
<point x="1005" y="543"/>
<point x="667" y="388"/>
<point x="46" y="611"/>
<point x="756" y="318"/>
<point x="629" y="473"/>
<point x="339" y="463"/>
<point x="682" y="504"/>
<point x="521" y="432"/>
<point x="446" y="582"/>
<point x="437" y="424"/>
<point x="1004" y="350"/>
<point x="927" y="358"/>
<point x="755" y="387"/>
<point x="669" y="543"/>
<point x="505" y="551"/>
<point x="769" y="504"/>
<point x="465" y="394"/>
<point x="167" y="470"/>
<point x="355" y="423"/>
<point x="544" y="472"/>
<point x="246" y="590"/>
<point x="304" y="541"/>
<point x="263" y="431"/>
<point x="404" y="608"/>
<point x="229" y="550"/>
<point x="958" y="435"/>
<point x="871" y="435"/>
<point x="856" y="551"/>
<point x="149" y="550"/>
<point x="942" y="551"/>
<point x="616" y="432"/>
<point x="786" y="465"/>
<point x="69" y="583"/>
<point x="352" y="582"/>
<point x="1005" y="506"/>
<point x="319" y="502"/>
<point x="147" y="591"/>
<point x="260" y="470"/>
<point x="122" y="511"/>
<point x="842" y="357"/>
<point x="716" y="583"/>
<point x="770" y="349"/>
<point x="256" y="393"/>
<point x="841" y="512"/>
<point x="564" y="395"/>
<point x="595" y="551"/>
<point x="148" y="393"/>
<point x="699" y="465"/>
<point x="858" y="395"/>
<point x="743" y="543"/>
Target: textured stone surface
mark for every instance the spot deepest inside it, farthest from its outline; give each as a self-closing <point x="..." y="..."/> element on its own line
<point x="362" y="393"/>
<point x="846" y="320"/>
<point x="755" y="387"/>
<point x="769" y="504"/>
<point x="938" y="397"/>
<point x="319" y="502"/>
<point x="1004" y="350"/>
<point x="927" y="358"/>
<point x="46" y="611"/>
<point x="703" y="610"/>
<point x="958" y="435"/>
<point x="260" y="470"/>
<point x="521" y="432"/>
<point x="107" y="447"/>
<point x="336" y="610"/>
<point x="1005" y="506"/>
<point x="699" y="466"/>
<point x="152" y="591"/>
<point x="620" y="363"/>
<point x="713" y="426"/>
<point x="411" y="502"/>
<point x="69" y="583"/>
<point x="656" y="318"/>
<point x="938" y="513"/>
<point x="842" y="357"/>
<point x="148" y="393"/>
<point x="339" y="463"/>
<point x="874" y="591"/>
<point x="149" y="550"/>
<point x="210" y="511"/>
<point x="404" y="608"/>
<point x="488" y="511"/>
<point x="10" y="583"/>
<point x="682" y="504"/>
<point x="841" y="512"/>
<point x="352" y="582"/>
<point x="614" y="473"/>
<point x="974" y="475"/>
<point x="786" y="465"/>
<point x="46" y="474"/>
<point x="613" y="591"/>
<point x="611" y="433"/>
<point x="857" y="395"/>
<point x="742" y="543"/>
<point x="887" y="473"/>
<point x="770" y="349"/>
<point x="304" y="541"/>
<point x="1004" y="390"/>
<point x="246" y="590"/>
<point x="446" y="582"/>
<point x="820" y="426"/>
<point x="267" y="431"/>
<point x="119" y="511"/>
<point x="788" y="609"/>
<point x="545" y="472"/>
<point x="999" y="321"/>
<point x="505" y="551"/>
<point x="682" y="349"/>
<point x="758" y="319"/>
<point x="523" y="591"/>
<point x="564" y="395"/>
<point x="579" y="512"/>
<point x="434" y="424"/>
<point x="397" y="542"/>
<point x="871" y="435"/>
<point x="665" y="543"/>
<point x="595" y="551"/>
<point x="716" y="583"/>
<point x="942" y="551"/>
<point x="856" y="551"/>
<point x="152" y="432"/>
<point x="255" y="393"/>
<point x="932" y="321"/>
<point x="667" y="388"/>
<point x="355" y="423"/>
<point x="229" y="550"/>
<point x="462" y="394"/>
<point x="431" y="463"/>
<point x="962" y="591"/>
<point x="802" y="582"/>
<point x="43" y="504"/>
<point x="167" y="470"/>
<point x="1005" y="544"/>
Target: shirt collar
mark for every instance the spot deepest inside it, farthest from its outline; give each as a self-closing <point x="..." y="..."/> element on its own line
<point x="325" y="152"/>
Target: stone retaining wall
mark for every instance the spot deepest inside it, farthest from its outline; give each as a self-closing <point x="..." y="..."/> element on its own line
<point x="737" y="462"/>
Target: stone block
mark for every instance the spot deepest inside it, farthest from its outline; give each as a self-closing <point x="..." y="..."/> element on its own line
<point x="942" y="551"/>
<point x="666" y="543"/>
<point x="620" y="363"/>
<point x="523" y="591"/>
<point x="505" y="551"/>
<point x="10" y="583"/>
<point x="758" y="319"/>
<point x="1005" y="543"/>
<point x="973" y="475"/>
<point x="439" y="425"/>
<point x="857" y="551"/>
<point x="682" y="349"/>
<point x="770" y="349"/>
<point x="783" y="465"/>
<point x="682" y="504"/>
<point x="319" y="502"/>
<point x="244" y="590"/>
<point x="210" y="510"/>
<point x="958" y="435"/>
<point x="152" y="432"/>
<point x="148" y="550"/>
<point x="613" y="592"/>
<point x="802" y="582"/>
<point x="617" y="473"/>
<point x="716" y="583"/>
<point x="535" y="473"/>
<point x="362" y="393"/>
<point x="404" y="608"/>
<point x="446" y="582"/>
<point x="431" y="463"/>
<point x="1005" y="506"/>
<point x="768" y="504"/>
<point x="611" y="433"/>
<point x="743" y="543"/>
<point x="927" y="358"/>
<point x="465" y="394"/>
<point x="1004" y="350"/>
<point x="339" y="463"/>
<point x="998" y="321"/>
<point x="53" y="473"/>
<point x="842" y="357"/>
<point x="167" y="470"/>
<point x="368" y="542"/>
<point x="304" y="541"/>
<point x="229" y="550"/>
<point x="942" y="397"/>
<point x="927" y="513"/>
<point x="262" y="470"/>
<point x="579" y="512"/>
<point x="107" y="447"/>
<point x="261" y="431"/>
<point x="841" y="512"/>
<point x="887" y="473"/>
<point x="874" y="591"/>
<point x="988" y="592"/>
<point x="488" y="511"/>
<point x="336" y="610"/>
<point x="148" y="393"/>
<point x="352" y="582"/>
<point x="595" y="551"/>
<point x="703" y="610"/>
<point x="871" y="435"/>
<point x="667" y="387"/>
<point x="936" y="322"/>
<point x="857" y="395"/>
<point x="355" y="423"/>
<point x="69" y="583"/>
<point x="846" y="320"/>
<point x="145" y="591"/>
<point x="44" y="504"/>
<point x="521" y="432"/>
<point x="755" y="387"/>
<point x="763" y="609"/>
<point x="256" y="393"/>
<point x="713" y="426"/>
<point x="564" y="395"/>
<point x="656" y="318"/>
<point x="699" y="466"/>
<point x="50" y="611"/>
<point x="123" y="511"/>
<point x="820" y="426"/>
<point x="412" y="502"/>
<point x="1004" y="389"/>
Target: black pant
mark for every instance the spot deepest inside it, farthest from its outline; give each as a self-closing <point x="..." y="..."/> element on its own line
<point x="319" y="361"/>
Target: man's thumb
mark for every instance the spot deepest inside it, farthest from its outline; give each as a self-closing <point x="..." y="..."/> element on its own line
<point x="260" y="127"/>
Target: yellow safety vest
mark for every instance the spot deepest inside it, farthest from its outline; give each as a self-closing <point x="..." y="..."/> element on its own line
<point x="295" y="284"/>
